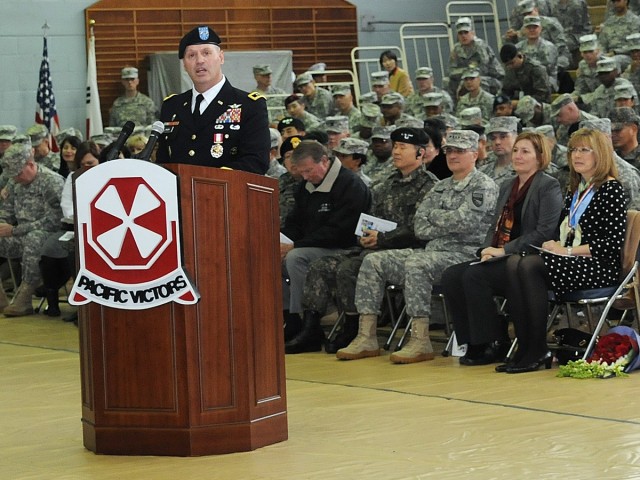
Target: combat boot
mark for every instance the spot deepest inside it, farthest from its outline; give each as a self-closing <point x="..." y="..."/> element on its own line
<point x="418" y="348"/>
<point x="292" y="325"/>
<point x="310" y="338"/>
<point x="366" y="342"/>
<point x="4" y="301"/>
<point x="346" y="336"/>
<point x="22" y="302"/>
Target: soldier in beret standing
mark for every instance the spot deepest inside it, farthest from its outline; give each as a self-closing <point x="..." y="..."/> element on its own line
<point x="213" y="124"/>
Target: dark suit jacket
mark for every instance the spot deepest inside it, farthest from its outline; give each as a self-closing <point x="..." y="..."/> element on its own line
<point x="540" y="213"/>
<point x="232" y="132"/>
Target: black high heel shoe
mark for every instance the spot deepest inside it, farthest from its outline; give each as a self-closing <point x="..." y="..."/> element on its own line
<point x="545" y="360"/>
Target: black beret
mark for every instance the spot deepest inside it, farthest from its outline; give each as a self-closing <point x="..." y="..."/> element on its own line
<point x="291" y="122"/>
<point x="198" y="36"/>
<point x="414" y="136"/>
<point x="508" y="52"/>
<point x="290" y="143"/>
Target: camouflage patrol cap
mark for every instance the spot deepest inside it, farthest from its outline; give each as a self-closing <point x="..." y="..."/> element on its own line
<point x="380" y="78"/>
<point x="341" y="89"/>
<point x="112" y="131"/>
<point x="606" y="64"/>
<point x="413" y="136"/>
<point x="22" y="140"/>
<point x="7" y="132"/>
<point x="424" y="72"/>
<point x="351" y="146"/>
<point x="370" y="115"/>
<point x="546" y="130"/>
<point x="68" y="132"/>
<point x="274" y="137"/>
<point x="432" y="99"/>
<point x="588" y="43"/>
<point x="37" y="133"/>
<point x="15" y="157"/>
<point x="129" y="72"/>
<point x="466" y="139"/>
<point x="634" y="42"/>
<point x="303" y="79"/>
<point x="559" y="102"/>
<point x="411" y="122"/>
<point x="336" y="124"/>
<point x="464" y="24"/>
<point x="623" y="116"/>
<point x="471" y="72"/>
<point x="369" y="97"/>
<point x="262" y="70"/>
<point x="600" y="124"/>
<point x="531" y="21"/>
<point x="526" y="6"/>
<point x="382" y="132"/>
<point x="623" y="91"/>
<point x="526" y="108"/>
<point x="449" y="120"/>
<point x="102" y="140"/>
<point x="507" y="124"/>
<point x="392" y="98"/>
<point x="470" y="116"/>
<point x="317" y="68"/>
<point x="198" y="36"/>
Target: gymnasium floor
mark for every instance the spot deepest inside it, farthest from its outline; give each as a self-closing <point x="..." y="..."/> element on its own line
<point x="347" y="420"/>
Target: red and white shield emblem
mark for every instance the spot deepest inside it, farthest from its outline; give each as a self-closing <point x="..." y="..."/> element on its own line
<point x="129" y="241"/>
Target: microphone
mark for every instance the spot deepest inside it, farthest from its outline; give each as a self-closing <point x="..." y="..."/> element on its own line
<point x="156" y="129"/>
<point x="125" y="133"/>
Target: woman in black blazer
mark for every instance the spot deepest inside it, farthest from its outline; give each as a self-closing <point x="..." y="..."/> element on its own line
<point x="527" y="213"/>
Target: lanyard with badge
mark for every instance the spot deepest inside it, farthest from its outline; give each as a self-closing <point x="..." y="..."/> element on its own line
<point x="581" y="199"/>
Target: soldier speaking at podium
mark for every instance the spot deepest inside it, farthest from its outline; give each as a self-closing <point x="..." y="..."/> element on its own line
<point x="213" y="124"/>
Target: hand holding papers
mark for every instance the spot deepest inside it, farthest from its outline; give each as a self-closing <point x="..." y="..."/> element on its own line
<point x="369" y="222"/>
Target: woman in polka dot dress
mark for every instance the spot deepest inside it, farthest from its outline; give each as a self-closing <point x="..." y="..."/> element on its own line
<point x="587" y="254"/>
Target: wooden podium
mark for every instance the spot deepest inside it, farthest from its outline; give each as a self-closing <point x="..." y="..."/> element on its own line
<point x="200" y="379"/>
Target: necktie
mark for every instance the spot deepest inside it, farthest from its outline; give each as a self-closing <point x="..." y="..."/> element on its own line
<point x="196" y="110"/>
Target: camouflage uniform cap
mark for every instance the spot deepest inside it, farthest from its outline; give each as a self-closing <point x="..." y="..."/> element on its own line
<point x="15" y="157"/>
<point x="589" y="43"/>
<point x="341" y="89"/>
<point x="623" y="91"/>
<point x="369" y="97"/>
<point x="350" y="146"/>
<point x="22" y="140"/>
<point x="262" y="70"/>
<point x="37" y="133"/>
<point x="634" y="42"/>
<point x="7" y="132"/>
<point x="370" y="115"/>
<point x="606" y="64"/>
<point x="546" y="130"/>
<point x="526" y="107"/>
<point x="102" y="140"/>
<point x="317" y="68"/>
<point x="68" y="132"/>
<point x="471" y="72"/>
<point x="466" y="139"/>
<point x="470" y="116"/>
<point x="449" y="120"/>
<point x="112" y="131"/>
<point x="303" y="79"/>
<point x="526" y="6"/>
<point x="392" y="98"/>
<point x="336" y="124"/>
<point x="503" y="125"/>
<point x="198" y="36"/>
<point x="559" y="102"/>
<point x="129" y="72"/>
<point x="274" y="137"/>
<point x="432" y="99"/>
<point x="380" y="78"/>
<point x="424" y="72"/>
<point x="601" y="124"/>
<point x="623" y="116"/>
<point x="383" y="132"/>
<point x="464" y="24"/>
<point x="411" y="122"/>
<point x="413" y="136"/>
<point x="531" y="20"/>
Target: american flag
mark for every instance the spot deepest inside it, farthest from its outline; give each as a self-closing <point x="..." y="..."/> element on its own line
<point x="46" y="113"/>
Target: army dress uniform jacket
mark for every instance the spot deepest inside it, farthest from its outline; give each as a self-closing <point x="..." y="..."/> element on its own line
<point x="232" y="132"/>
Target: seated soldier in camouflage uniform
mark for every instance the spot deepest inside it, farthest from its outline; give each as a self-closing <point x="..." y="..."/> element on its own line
<point x="379" y="165"/>
<point x="392" y="108"/>
<point x="274" y="95"/>
<point x="451" y="218"/>
<point x="566" y="116"/>
<point x="424" y="82"/>
<point x="502" y="106"/>
<point x="318" y="101"/>
<point x="394" y="199"/>
<point x="133" y="105"/>
<point x="524" y="76"/>
<point x="624" y="96"/>
<point x="380" y="84"/>
<point x="337" y="128"/>
<point x="276" y="169"/>
<point x="343" y="101"/>
<point x="502" y="133"/>
<point x="532" y="113"/>
<point x="574" y="17"/>
<point x="535" y="47"/>
<point x="587" y="75"/>
<point x="632" y="72"/>
<point x="288" y="181"/>
<point x="290" y="126"/>
<point x="40" y="141"/>
<point x="602" y="101"/>
<point x="614" y="31"/>
<point x="352" y="153"/>
<point x="624" y="134"/>
<point x="29" y="214"/>
<point x="371" y="118"/>
<point x="296" y="108"/>
<point x="476" y="96"/>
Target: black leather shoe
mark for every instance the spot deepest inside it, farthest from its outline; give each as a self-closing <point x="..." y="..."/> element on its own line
<point x="545" y="360"/>
<point x="502" y="368"/>
<point x="310" y="338"/>
<point x="345" y="337"/>
<point x="494" y="352"/>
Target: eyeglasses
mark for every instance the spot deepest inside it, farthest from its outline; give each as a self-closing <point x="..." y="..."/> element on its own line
<point x="447" y="150"/>
<point x="581" y="150"/>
